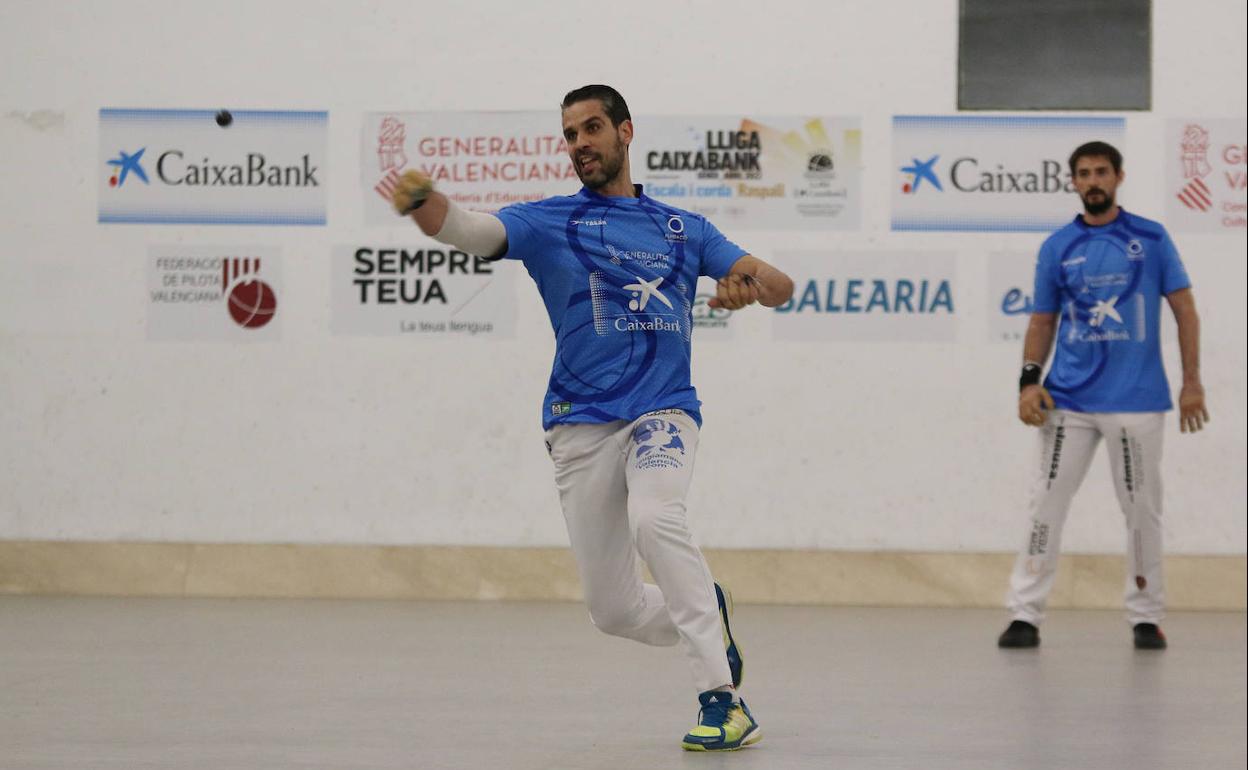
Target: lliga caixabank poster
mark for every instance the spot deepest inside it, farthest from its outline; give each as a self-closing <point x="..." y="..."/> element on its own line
<point x="763" y="173"/>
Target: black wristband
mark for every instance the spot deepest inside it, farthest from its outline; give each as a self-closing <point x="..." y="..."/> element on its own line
<point x="1029" y="376"/>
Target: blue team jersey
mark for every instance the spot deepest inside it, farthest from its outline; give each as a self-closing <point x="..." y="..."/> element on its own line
<point x="618" y="277"/>
<point x="1106" y="283"/>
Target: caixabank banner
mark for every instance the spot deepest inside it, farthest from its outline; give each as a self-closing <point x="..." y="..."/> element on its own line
<point x="1207" y="175"/>
<point x="767" y="172"/>
<point x="956" y="173"/>
<point x="212" y="167"/>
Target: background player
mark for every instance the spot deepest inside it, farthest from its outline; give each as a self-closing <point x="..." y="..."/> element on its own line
<point x="1105" y="274"/>
<point x="617" y="271"/>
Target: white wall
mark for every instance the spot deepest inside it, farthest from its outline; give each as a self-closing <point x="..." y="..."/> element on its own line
<point x="321" y="438"/>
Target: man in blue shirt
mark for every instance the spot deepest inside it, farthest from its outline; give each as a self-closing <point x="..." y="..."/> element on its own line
<point x="617" y="271"/>
<point x="1103" y="275"/>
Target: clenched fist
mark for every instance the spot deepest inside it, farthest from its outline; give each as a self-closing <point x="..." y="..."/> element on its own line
<point x="735" y="291"/>
<point x="412" y="189"/>
<point x="1033" y="402"/>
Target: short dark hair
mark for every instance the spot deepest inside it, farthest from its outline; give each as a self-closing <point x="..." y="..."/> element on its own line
<point x="1096" y="150"/>
<point x="612" y="103"/>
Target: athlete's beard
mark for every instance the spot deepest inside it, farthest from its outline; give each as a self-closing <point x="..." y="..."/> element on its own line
<point x="1100" y="207"/>
<point x="609" y="167"/>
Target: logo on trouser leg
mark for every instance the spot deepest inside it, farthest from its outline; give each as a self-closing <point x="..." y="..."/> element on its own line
<point x="1059" y="435"/>
<point x="1140" y="582"/>
<point x="1128" y="480"/>
<point x="658" y="445"/>
<point x="1039" y="543"/>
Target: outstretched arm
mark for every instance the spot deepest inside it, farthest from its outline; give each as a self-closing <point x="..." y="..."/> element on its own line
<point x="1192" y="412"/>
<point x="439" y="217"/>
<point x="752" y="280"/>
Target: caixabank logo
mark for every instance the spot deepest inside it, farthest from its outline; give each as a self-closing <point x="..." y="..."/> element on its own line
<point x="988" y="173"/>
<point x="124" y="164"/>
<point x="212" y="167"/>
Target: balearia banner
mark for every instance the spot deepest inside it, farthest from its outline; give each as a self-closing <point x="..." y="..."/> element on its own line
<point x="869" y="297"/>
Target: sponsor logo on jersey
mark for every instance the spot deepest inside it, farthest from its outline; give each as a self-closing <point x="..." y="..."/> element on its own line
<point x="1104" y="309"/>
<point x="675" y="229"/>
<point x="643" y="290"/>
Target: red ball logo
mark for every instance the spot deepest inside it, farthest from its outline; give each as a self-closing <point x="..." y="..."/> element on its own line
<point x="252" y="304"/>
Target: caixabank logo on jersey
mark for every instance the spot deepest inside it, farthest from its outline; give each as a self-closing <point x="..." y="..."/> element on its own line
<point x="247" y="167"/>
<point x="421" y="289"/>
<point x="989" y="173"/>
<point x="213" y="293"/>
<point x="638" y="304"/>
<point x="877" y="297"/>
<point x="1011" y="300"/>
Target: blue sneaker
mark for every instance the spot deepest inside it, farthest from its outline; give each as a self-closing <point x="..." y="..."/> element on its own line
<point x="723" y="725"/>
<point x="735" y="665"/>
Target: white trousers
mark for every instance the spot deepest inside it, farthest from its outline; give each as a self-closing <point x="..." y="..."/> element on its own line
<point x="622" y="487"/>
<point x="1067" y="443"/>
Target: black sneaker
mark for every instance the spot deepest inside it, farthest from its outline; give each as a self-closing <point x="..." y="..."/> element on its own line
<point x="1019" y="634"/>
<point x="1149" y="637"/>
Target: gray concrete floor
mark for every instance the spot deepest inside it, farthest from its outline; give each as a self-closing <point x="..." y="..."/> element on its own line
<point x="233" y="684"/>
